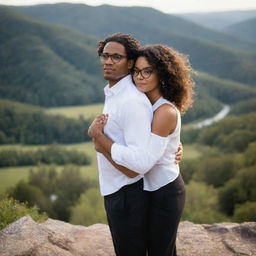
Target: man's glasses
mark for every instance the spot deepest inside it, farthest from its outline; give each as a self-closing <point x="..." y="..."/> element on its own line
<point x="114" y="57"/>
<point x="145" y="73"/>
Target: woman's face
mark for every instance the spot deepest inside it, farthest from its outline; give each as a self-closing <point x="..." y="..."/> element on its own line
<point x="144" y="76"/>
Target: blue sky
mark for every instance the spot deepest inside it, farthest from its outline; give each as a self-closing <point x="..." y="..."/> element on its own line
<point x="168" y="6"/>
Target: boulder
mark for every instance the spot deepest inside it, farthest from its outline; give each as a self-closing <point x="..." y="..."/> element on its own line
<point x="25" y="237"/>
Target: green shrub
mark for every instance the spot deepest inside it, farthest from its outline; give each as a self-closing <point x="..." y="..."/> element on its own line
<point x="89" y="209"/>
<point x="11" y="210"/>
<point x="245" y="212"/>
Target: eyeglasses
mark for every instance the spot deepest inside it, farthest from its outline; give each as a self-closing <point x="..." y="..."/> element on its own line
<point x="145" y="72"/>
<point x="114" y="57"/>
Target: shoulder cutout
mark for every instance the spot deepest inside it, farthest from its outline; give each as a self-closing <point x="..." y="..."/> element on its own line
<point x="164" y="120"/>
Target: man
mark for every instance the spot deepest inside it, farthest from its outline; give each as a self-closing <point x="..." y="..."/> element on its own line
<point x="129" y="124"/>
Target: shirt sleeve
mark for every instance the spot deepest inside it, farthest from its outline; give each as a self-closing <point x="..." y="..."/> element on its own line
<point x="143" y="148"/>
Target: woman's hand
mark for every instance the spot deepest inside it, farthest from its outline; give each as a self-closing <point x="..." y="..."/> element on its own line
<point x="96" y="127"/>
<point x="179" y="154"/>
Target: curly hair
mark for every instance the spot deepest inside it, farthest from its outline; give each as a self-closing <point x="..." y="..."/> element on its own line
<point x="130" y="44"/>
<point x="174" y="73"/>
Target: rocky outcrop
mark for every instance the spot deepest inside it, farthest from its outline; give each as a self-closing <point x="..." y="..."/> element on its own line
<point x="56" y="238"/>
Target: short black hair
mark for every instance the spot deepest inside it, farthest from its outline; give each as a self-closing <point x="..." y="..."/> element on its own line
<point x="129" y="42"/>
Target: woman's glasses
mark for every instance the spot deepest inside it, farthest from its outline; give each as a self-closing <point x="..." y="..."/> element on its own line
<point x="114" y="57"/>
<point x="145" y="72"/>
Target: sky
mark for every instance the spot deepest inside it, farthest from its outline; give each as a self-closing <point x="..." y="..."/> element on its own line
<point x="167" y="6"/>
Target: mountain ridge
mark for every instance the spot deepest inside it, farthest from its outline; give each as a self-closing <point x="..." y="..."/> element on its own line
<point x="46" y="61"/>
<point x="62" y="14"/>
<point x="218" y="20"/>
<point x="204" y="55"/>
<point x="245" y="29"/>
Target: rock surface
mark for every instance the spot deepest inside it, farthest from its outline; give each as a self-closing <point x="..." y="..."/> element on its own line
<point x="56" y="238"/>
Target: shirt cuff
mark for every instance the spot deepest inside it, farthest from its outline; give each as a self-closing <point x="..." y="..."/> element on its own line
<point x="116" y="152"/>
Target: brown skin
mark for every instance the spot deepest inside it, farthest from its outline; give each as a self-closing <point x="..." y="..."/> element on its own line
<point x="114" y="72"/>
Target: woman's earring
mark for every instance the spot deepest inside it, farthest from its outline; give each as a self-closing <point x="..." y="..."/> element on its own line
<point x="163" y="84"/>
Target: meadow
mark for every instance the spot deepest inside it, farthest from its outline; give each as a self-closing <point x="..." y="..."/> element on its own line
<point x="10" y="176"/>
<point x="88" y="111"/>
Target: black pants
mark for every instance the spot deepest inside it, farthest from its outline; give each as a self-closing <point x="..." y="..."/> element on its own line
<point x="165" y="209"/>
<point x="127" y="213"/>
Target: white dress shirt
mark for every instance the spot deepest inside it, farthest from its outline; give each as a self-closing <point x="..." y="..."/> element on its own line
<point x="129" y="125"/>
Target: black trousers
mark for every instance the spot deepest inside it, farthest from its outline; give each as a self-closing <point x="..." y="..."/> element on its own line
<point x="127" y="213"/>
<point x="165" y="209"/>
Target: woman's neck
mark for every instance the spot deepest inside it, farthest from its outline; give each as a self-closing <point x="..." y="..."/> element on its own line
<point x="153" y="97"/>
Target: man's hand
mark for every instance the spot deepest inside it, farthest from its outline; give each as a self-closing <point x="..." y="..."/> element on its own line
<point x="97" y="146"/>
<point x="179" y="154"/>
<point x="96" y="127"/>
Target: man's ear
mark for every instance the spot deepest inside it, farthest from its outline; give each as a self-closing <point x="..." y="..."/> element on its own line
<point x="130" y="64"/>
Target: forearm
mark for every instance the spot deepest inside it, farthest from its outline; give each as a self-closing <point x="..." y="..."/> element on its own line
<point x="140" y="158"/>
<point x="105" y="142"/>
<point x="108" y="143"/>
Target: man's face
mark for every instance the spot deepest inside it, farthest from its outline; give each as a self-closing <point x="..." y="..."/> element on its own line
<point x="114" y="71"/>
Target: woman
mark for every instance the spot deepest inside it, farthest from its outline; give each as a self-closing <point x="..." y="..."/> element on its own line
<point x="163" y="75"/>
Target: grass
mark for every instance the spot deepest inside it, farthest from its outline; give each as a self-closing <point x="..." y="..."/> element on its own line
<point x="191" y="151"/>
<point x="10" y="176"/>
<point x="88" y="111"/>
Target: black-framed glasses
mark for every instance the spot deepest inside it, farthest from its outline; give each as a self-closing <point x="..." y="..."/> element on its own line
<point x="114" y="57"/>
<point x="145" y="72"/>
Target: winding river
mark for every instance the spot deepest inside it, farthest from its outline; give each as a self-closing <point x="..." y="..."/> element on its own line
<point x="225" y="110"/>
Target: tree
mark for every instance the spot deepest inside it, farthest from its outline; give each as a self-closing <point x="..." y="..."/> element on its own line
<point x="89" y="209"/>
<point x="250" y="155"/>
<point x="68" y="188"/>
<point x="238" y="190"/>
<point x="33" y="196"/>
<point x="54" y="193"/>
<point x="245" y="212"/>
<point x="202" y="204"/>
<point x="217" y="170"/>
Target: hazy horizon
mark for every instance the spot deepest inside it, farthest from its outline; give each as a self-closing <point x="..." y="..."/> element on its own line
<point x="186" y="6"/>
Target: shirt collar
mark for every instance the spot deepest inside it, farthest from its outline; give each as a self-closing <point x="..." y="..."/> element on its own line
<point x="120" y="85"/>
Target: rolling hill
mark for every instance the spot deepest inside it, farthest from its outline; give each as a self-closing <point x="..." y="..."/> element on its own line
<point x="218" y="20"/>
<point x="245" y="29"/>
<point x="50" y="65"/>
<point x="46" y="65"/>
<point x="209" y="51"/>
<point x="106" y="19"/>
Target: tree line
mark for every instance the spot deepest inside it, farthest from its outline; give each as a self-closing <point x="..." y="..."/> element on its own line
<point x="53" y="154"/>
<point x="28" y="126"/>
